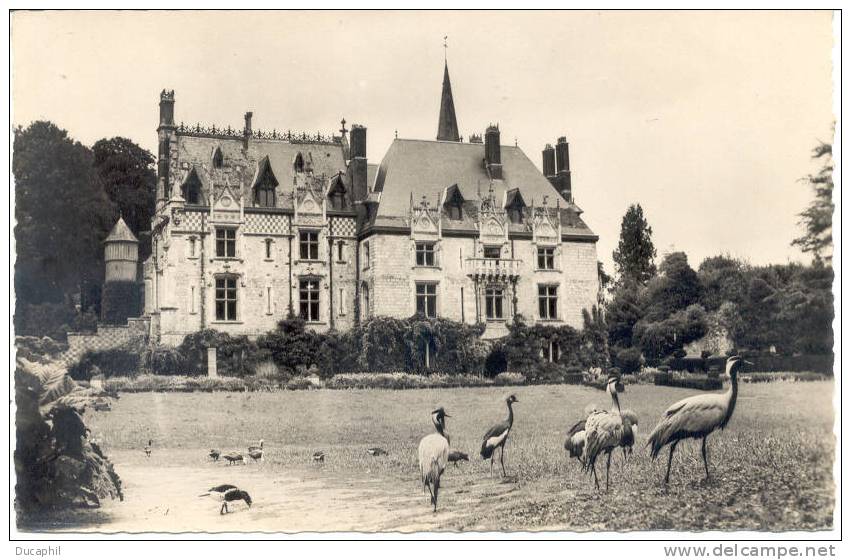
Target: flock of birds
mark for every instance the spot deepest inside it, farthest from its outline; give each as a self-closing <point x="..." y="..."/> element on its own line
<point x="599" y="433"/>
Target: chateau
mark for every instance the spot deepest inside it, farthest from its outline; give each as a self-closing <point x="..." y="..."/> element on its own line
<point x="252" y="225"/>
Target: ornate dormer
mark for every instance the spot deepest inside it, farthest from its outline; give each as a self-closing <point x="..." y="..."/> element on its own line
<point x="424" y="219"/>
<point x="264" y="185"/>
<point x="192" y="188"/>
<point x="337" y="193"/>
<point x="545" y="223"/>
<point x="492" y="220"/>
<point x="515" y="206"/>
<point x="453" y="203"/>
<point x="309" y="200"/>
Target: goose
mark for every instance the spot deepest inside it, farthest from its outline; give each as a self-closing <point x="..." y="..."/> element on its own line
<point x="456" y="456"/>
<point x="234" y="457"/>
<point x="228" y="493"/>
<point x="214" y="454"/>
<point x="376" y="451"/>
<point x="319" y="457"/>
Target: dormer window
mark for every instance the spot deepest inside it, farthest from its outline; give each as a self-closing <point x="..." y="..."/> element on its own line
<point x="191" y="189"/>
<point x="515" y="206"/>
<point x="265" y="184"/>
<point x="454" y="203"/>
<point x="218" y="159"/>
<point x="337" y="195"/>
<point x="298" y="163"/>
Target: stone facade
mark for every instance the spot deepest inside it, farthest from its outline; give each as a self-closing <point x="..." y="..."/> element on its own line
<point x="252" y="226"/>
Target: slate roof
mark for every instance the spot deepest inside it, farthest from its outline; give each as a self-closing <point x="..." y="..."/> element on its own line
<point x="427" y="167"/>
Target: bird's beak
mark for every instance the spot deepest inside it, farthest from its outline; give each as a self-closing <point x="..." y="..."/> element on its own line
<point x="447" y="415"/>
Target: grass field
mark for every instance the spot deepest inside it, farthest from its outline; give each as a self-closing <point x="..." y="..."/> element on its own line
<point x="772" y="467"/>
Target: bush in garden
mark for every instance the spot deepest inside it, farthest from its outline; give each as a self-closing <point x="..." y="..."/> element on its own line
<point x="290" y="345"/>
<point x="164" y="360"/>
<point x="628" y="360"/>
<point x="122" y="361"/>
<point x="509" y="378"/>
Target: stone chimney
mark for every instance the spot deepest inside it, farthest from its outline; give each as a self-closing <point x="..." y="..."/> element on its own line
<point x="246" y="131"/>
<point x="493" y="160"/>
<point x="549" y="155"/>
<point x="167" y="108"/>
<point x="357" y="164"/>
<point x="164" y="132"/>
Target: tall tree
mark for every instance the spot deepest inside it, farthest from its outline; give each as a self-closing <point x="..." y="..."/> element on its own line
<point x="62" y="214"/>
<point x="126" y="173"/>
<point x="817" y="219"/>
<point x="676" y="287"/>
<point x="635" y="253"/>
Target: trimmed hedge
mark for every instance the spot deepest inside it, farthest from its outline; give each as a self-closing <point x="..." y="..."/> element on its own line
<point x="701" y="383"/>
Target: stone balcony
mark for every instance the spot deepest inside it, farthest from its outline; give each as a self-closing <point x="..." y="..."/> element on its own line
<point x="493" y="269"/>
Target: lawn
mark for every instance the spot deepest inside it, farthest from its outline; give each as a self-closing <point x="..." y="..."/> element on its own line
<point x="772" y="467"/>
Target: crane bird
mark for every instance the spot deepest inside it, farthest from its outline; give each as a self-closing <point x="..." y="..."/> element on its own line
<point x="575" y="442"/>
<point x="696" y="417"/>
<point x="148" y="448"/>
<point x="214" y="454"/>
<point x="434" y="454"/>
<point x="497" y="436"/>
<point x="604" y="432"/>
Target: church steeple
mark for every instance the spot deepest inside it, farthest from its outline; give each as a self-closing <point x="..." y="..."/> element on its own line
<point x="447" y="125"/>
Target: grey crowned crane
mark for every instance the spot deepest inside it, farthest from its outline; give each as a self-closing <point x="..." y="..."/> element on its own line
<point x="434" y="454"/>
<point x="696" y="417"/>
<point x="214" y="454"/>
<point x="604" y="432"/>
<point x="227" y="493"/>
<point x="233" y="457"/>
<point x="497" y="436"/>
<point x="319" y="457"/>
<point x="148" y="448"/>
<point x="456" y="457"/>
<point x="258" y="447"/>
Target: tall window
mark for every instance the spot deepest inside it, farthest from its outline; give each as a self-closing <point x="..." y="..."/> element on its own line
<point x="365" y="297"/>
<point x="425" y="254"/>
<point x="191" y="189"/>
<point x="515" y="214"/>
<point x="546" y="258"/>
<point x="492" y="252"/>
<point x="427" y="299"/>
<point x="366" y="254"/>
<point x="264" y="195"/>
<point x="308" y="245"/>
<point x="268" y="300"/>
<point x="548" y="302"/>
<point x="298" y="164"/>
<point x="454" y="211"/>
<point x="225" y="298"/>
<point x="341" y="253"/>
<point x="268" y="244"/>
<point x="226" y="242"/>
<point x="191" y="246"/>
<point x="342" y="301"/>
<point x="551" y="351"/>
<point x="308" y="299"/>
<point x="493" y="303"/>
<point x="218" y="160"/>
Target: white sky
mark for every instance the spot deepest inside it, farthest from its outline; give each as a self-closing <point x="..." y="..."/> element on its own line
<point x="705" y="118"/>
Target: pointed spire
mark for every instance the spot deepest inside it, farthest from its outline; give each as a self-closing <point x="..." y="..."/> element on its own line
<point x="447" y="125"/>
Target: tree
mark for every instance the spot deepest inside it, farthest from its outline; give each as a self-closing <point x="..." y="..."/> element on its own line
<point x="817" y="220"/>
<point x="604" y="281"/>
<point x="126" y="174"/>
<point x="62" y="215"/>
<point x="722" y="279"/>
<point x="635" y="253"/>
<point x="674" y="289"/>
<point x="622" y="313"/>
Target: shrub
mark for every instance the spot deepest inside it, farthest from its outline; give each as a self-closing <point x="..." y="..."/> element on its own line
<point x="109" y="363"/>
<point x="702" y="383"/>
<point x="269" y="371"/>
<point x="44" y="319"/>
<point x="164" y="360"/>
<point x="297" y="383"/>
<point x="628" y="360"/>
<point x="38" y="349"/>
<point x="120" y="300"/>
<point x="509" y="378"/>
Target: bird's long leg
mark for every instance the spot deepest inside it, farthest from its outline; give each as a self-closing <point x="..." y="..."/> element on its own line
<point x="705" y="462"/>
<point x="608" y="464"/>
<point x="670" y="457"/>
<point x="501" y="461"/>
<point x="436" y="489"/>
<point x="492" y="464"/>
<point x="224" y="508"/>
<point x="594" y="470"/>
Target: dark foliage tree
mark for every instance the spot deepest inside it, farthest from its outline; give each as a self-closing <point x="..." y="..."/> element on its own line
<point x="817" y="219"/>
<point x="604" y="283"/>
<point x="676" y="287"/>
<point x="722" y="279"/>
<point x="126" y="174"/>
<point x="622" y="313"/>
<point x="62" y="215"/>
<point x="635" y="253"/>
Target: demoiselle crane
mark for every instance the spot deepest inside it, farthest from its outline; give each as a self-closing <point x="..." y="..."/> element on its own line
<point x="696" y="417"/>
<point x="604" y="432"/>
<point x="497" y="436"/>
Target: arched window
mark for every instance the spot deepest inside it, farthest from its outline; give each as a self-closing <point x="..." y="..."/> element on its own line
<point x="191" y="189"/>
<point x="218" y="159"/>
<point x="515" y="206"/>
<point x="337" y="195"/>
<point x="265" y="184"/>
<point x="298" y="163"/>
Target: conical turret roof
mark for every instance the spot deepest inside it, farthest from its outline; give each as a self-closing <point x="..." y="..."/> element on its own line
<point x="121" y="232"/>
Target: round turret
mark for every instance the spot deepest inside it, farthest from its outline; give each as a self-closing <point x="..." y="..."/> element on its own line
<point x="121" y="254"/>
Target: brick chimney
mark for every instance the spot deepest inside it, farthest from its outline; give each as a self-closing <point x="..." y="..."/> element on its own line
<point x="357" y="164"/>
<point x="562" y="178"/>
<point x="549" y="155"/>
<point x="164" y="132"/>
<point x="493" y="160"/>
